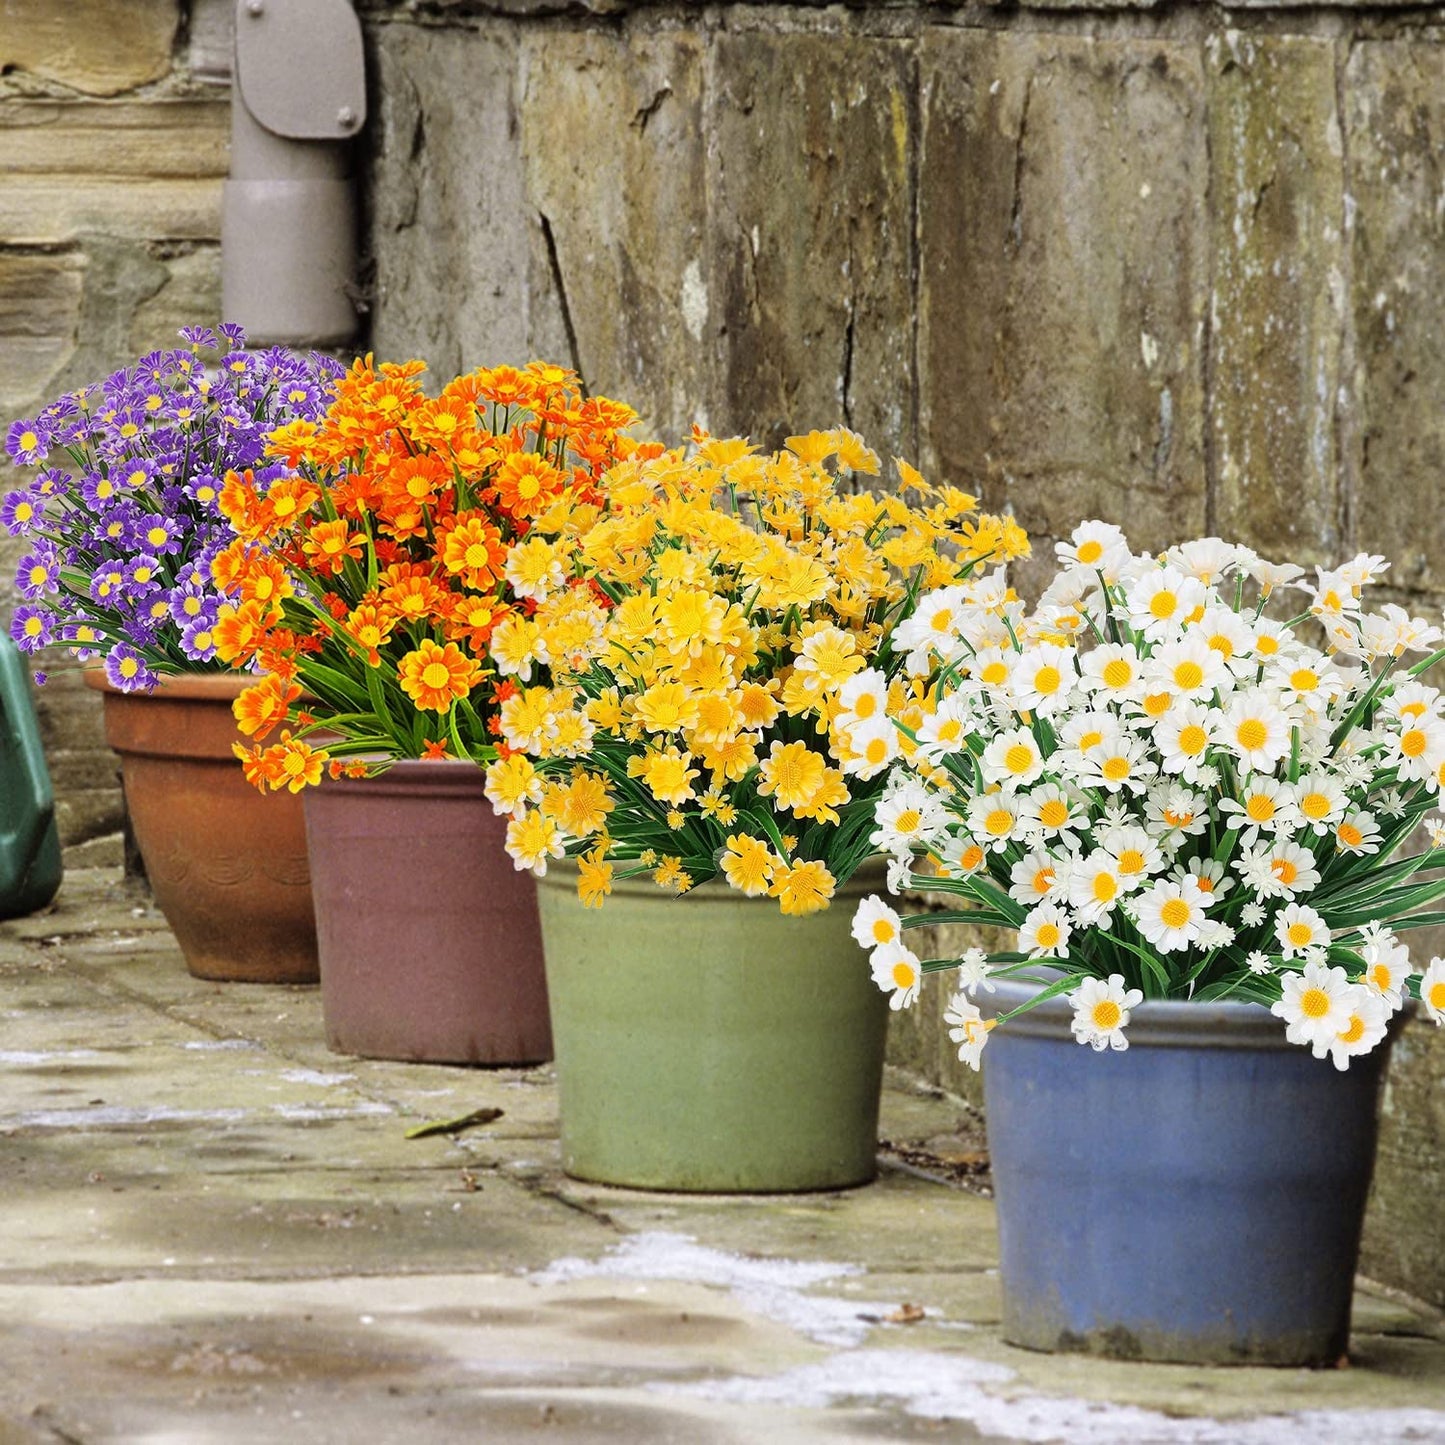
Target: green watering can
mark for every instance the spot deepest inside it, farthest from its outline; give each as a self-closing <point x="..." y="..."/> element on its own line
<point x="29" y="842"/>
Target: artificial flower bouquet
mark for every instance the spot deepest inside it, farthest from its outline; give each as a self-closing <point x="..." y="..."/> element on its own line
<point x="701" y="676"/>
<point x="1169" y="786"/>
<point x="123" y="519"/>
<point x="367" y="580"/>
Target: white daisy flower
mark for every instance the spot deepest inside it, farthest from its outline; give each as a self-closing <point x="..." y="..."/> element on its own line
<point x="875" y="923"/>
<point x="1036" y="877"/>
<point x="1270" y="575"/>
<point x="1183" y="736"/>
<point x="1099" y="546"/>
<point x="973" y="971"/>
<point x="1419" y="747"/>
<point x="1432" y="990"/>
<point x="1209" y="559"/>
<point x="896" y="969"/>
<point x="1101" y="1012"/>
<point x="1170" y="915"/>
<point x="1012" y="759"/>
<point x="1291" y="871"/>
<point x="994" y="819"/>
<point x="1215" y="933"/>
<point x="1042" y="678"/>
<point x="1051" y="811"/>
<point x="863" y="698"/>
<point x="1321" y="800"/>
<point x="1230" y="635"/>
<point x="1045" y="932"/>
<point x="1358" y="833"/>
<point x="945" y="730"/>
<point x="1112" y="670"/>
<point x="933" y="629"/>
<point x="1315" y="1005"/>
<point x="900" y="875"/>
<point x="1161" y="601"/>
<point x="1256" y="729"/>
<point x="970" y="1030"/>
<point x="908" y="817"/>
<point x="1187" y="666"/>
<point x="1366" y="1017"/>
<point x="1387" y="966"/>
<point x="1095" y="887"/>
<point x="1257" y="962"/>
<point x="1117" y="763"/>
<point x="1137" y="854"/>
<point x="1298" y="927"/>
<point x="1174" y="812"/>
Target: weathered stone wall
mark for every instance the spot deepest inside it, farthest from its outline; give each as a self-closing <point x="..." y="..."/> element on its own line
<point x="113" y="127"/>
<point x="1176" y="265"/>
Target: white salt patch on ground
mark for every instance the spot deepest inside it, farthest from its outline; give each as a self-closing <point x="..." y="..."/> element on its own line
<point x="768" y="1287"/>
<point x="315" y="1076"/>
<point x="24" y="1057"/>
<point x="309" y="1111"/>
<point x="108" y="1115"/>
<point x="937" y="1386"/>
<point x="210" y="1045"/>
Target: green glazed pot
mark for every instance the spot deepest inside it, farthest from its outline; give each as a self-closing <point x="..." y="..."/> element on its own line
<point x="708" y="1043"/>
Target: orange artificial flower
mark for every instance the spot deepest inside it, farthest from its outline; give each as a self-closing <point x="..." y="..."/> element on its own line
<point x="527" y="483"/>
<point x="264" y="705"/>
<point x="330" y="545"/>
<point x="435" y="677"/>
<point x="472" y="548"/>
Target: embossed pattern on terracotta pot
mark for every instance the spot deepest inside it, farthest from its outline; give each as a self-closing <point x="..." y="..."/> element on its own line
<point x="430" y="945"/>
<point x="227" y="865"/>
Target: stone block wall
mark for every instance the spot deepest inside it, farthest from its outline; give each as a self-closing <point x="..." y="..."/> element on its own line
<point x="1181" y="266"/>
<point x="113" y="129"/>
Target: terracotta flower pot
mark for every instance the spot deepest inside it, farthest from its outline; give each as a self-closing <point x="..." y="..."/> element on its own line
<point x="431" y="948"/>
<point x="227" y="864"/>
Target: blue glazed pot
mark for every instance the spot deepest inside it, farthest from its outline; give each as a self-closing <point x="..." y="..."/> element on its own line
<point x="1197" y="1197"/>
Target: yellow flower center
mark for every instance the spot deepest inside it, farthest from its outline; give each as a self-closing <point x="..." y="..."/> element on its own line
<point x="1107" y="1014"/>
<point x="1176" y="913"/>
<point x="875" y="752"/>
<point x="1158" y="703"/>
<point x="1019" y="758"/>
<point x="1188" y="675"/>
<point x="28" y="441"/>
<point x="1048" y="935"/>
<point x="1089" y="552"/>
<point x="1284" y="870"/>
<point x="1349" y="835"/>
<point x="1090" y="740"/>
<point x="883" y="931"/>
<point x="1299" y="935"/>
<point x="1304" y="679"/>
<point x="1436" y="996"/>
<point x="1251" y="734"/>
<point x="1259" y="808"/>
<point x="942" y="620"/>
<point x="866" y="705"/>
<point x="1163" y="605"/>
<point x="1054" y="813"/>
<point x="435" y="676"/>
<point x="1047" y="679"/>
<point x="1222" y="645"/>
<point x="1355" y="1032"/>
<point x="1105" y="888"/>
<point x="903" y="975"/>
<point x="1118" y="673"/>
<point x="1044" y="880"/>
<point x="1412" y="743"/>
<point x="476" y="556"/>
<point x="1314" y="1003"/>
<point x="995" y="674"/>
<point x="1116" y="769"/>
<point x="908" y="821"/>
<point x="1131" y="861"/>
<point x="1193" y="740"/>
<point x="998" y="822"/>
<point x="1314" y="805"/>
<point x="1380" y="975"/>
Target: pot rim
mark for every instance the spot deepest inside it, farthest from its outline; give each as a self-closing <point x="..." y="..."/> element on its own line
<point x="868" y="877"/>
<point x="191" y="686"/>
<point x="1177" y="1023"/>
<point x="410" y="777"/>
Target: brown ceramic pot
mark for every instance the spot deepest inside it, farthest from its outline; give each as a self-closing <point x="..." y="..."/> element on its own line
<point x="431" y="948"/>
<point x="227" y="864"/>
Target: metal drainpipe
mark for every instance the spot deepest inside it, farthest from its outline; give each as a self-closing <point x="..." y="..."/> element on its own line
<point x="288" y="211"/>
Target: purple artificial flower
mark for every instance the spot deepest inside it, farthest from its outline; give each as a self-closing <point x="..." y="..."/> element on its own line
<point x="27" y="443"/>
<point x="20" y="511"/>
<point x="39" y="571"/>
<point x="107" y="584"/>
<point x="143" y="576"/>
<point x="32" y="627"/>
<point x="126" y="669"/>
<point x="198" y="641"/>
<point x="233" y="333"/>
<point x="163" y="536"/>
<point x="191" y="603"/>
<point x="97" y="489"/>
<point x="199" y="336"/>
<point x="41" y="679"/>
<point x="132" y="474"/>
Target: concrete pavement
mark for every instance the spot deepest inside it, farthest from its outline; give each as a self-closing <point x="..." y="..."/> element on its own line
<point x="214" y="1230"/>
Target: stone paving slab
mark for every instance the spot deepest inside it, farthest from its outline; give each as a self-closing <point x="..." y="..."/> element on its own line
<point x="214" y="1231"/>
